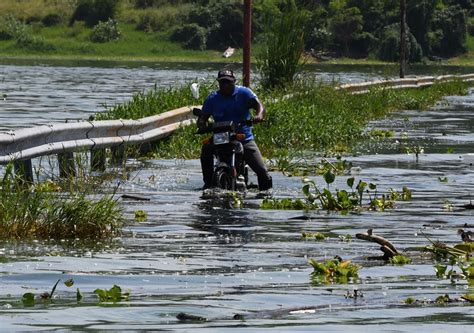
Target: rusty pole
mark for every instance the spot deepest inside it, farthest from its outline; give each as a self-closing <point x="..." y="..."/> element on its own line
<point x="247" y="41"/>
<point x="403" y="45"/>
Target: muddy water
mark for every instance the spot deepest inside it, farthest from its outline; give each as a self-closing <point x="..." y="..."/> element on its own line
<point x="198" y="256"/>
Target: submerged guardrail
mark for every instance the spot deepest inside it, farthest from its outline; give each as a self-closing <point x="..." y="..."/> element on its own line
<point x="22" y="145"/>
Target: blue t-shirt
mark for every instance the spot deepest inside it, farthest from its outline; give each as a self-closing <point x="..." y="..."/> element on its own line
<point x="231" y="108"/>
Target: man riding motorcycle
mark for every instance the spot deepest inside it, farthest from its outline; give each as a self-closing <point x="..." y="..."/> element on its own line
<point x="233" y="103"/>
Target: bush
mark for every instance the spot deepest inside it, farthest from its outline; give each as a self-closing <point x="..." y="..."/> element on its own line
<point x="105" y="32"/>
<point x="51" y="20"/>
<point x="450" y="27"/>
<point x="223" y="21"/>
<point x="34" y="44"/>
<point x="192" y="36"/>
<point x="94" y="11"/>
<point x="153" y="20"/>
<point x="12" y="28"/>
<point x="389" y="46"/>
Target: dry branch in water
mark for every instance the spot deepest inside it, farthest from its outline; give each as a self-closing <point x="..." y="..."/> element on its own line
<point x="389" y="251"/>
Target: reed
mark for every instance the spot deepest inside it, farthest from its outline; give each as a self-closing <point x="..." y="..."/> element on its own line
<point x="39" y="212"/>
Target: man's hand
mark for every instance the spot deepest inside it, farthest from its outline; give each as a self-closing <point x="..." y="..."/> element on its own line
<point x="259" y="117"/>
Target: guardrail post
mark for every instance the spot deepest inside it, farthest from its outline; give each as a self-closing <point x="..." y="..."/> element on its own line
<point x="98" y="160"/>
<point x="24" y="171"/>
<point x="118" y="154"/>
<point x="67" y="167"/>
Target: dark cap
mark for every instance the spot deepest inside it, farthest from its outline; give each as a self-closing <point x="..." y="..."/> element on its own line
<point x="226" y="74"/>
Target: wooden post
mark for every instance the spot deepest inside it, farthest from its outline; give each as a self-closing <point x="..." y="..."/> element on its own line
<point x="67" y="167"/>
<point x="98" y="160"/>
<point x="247" y="41"/>
<point x="24" y="170"/>
<point x="403" y="46"/>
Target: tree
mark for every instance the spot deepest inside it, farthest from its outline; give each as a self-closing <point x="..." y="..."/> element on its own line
<point x="346" y="26"/>
<point x="449" y="29"/>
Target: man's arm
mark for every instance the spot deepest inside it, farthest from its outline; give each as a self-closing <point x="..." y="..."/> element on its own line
<point x="255" y="104"/>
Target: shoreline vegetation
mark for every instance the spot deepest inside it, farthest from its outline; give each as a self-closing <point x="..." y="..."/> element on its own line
<point x="192" y="31"/>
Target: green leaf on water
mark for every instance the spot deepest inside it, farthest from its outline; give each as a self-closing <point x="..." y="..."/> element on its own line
<point x="78" y="295"/>
<point x="69" y="282"/>
<point x="372" y="186"/>
<point x="440" y="270"/>
<point x="400" y="260"/>
<point x="140" y="216"/>
<point x="443" y="179"/>
<point x="306" y="190"/>
<point x="350" y="182"/>
<point x="468" y="297"/>
<point x="329" y="177"/>
<point x="409" y="300"/>
<point x="28" y="299"/>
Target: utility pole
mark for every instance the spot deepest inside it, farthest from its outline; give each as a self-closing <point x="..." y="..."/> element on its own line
<point x="247" y="41"/>
<point x="403" y="46"/>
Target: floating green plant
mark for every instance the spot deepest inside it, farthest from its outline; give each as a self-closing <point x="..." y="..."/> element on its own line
<point x="334" y="271"/>
<point x="140" y="216"/>
<point x="378" y="133"/>
<point x="113" y="294"/>
<point x="316" y="235"/>
<point x="30" y="299"/>
<point x="400" y="260"/>
<point x="342" y="200"/>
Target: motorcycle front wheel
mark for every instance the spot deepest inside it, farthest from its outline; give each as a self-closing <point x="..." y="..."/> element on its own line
<point x="223" y="179"/>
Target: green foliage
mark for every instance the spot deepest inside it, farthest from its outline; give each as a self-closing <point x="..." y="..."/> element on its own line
<point x="105" y="32"/>
<point x="113" y="294"/>
<point x="12" y="28"/>
<point x="29" y="299"/>
<point x="316" y="235"/>
<point x="140" y="216"/>
<point x="333" y="271"/>
<point x="400" y="260"/>
<point x="345" y="26"/>
<point x="279" y="59"/>
<point x="342" y="200"/>
<point x="192" y="36"/>
<point x="389" y="49"/>
<point x="449" y="30"/>
<point x="222" y="20"/>
<point x="94" y="11"/>
<point x="51" y="20"/>
<point x="332" y="118"/>
<point x="38" y="213"/>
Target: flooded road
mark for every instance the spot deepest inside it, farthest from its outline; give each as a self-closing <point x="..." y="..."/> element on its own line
<point x="200" y="257"/>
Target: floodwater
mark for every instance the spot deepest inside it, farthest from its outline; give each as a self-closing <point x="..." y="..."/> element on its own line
<point x="198" y="256"/>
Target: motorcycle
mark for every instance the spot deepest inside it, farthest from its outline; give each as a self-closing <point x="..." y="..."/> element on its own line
<point x="230" y="170"/>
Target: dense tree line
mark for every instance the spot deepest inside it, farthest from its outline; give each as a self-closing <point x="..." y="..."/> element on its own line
<point x="353" y="28"/>
<point x="350" y="28"/>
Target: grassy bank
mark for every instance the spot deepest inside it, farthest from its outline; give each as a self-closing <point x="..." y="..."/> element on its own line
<point x="318" y="117"/>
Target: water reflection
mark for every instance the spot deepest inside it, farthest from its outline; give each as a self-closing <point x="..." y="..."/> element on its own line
<point x="228" y="225"/>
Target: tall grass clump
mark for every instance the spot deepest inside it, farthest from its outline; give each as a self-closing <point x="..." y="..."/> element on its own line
<point x="36" y="212"/>
<point x="155" y="101"/>
<point x="279" y="59"/>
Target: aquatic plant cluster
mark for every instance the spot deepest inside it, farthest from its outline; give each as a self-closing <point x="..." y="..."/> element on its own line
<point x="342" y="200"/>
<point x="41" y="211"/>
<point x="318" y="117"/>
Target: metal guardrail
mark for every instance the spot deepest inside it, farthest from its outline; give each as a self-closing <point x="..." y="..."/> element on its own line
<point x="58" y="138"/>
<point x="417" y="82"/>
<point x="24" y="144"/>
